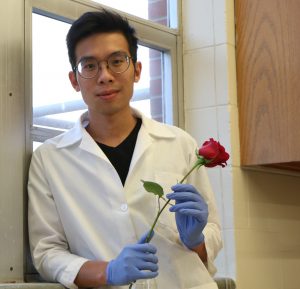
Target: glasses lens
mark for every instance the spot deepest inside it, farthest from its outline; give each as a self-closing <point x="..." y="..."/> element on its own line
<point x="118" y="62"/>
<point x="88" y="67"/>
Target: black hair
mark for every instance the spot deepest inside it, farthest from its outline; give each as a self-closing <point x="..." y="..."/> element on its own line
<point x="100" y="22"/>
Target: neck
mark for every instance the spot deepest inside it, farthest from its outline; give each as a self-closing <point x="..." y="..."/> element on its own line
<point x="110" y="129"/>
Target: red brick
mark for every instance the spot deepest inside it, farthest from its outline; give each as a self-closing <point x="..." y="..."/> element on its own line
<point x="156" y="106"/>
<point x="158" y="9"/>
<point x="155" y="68"/>
<point x="155" y="87"/>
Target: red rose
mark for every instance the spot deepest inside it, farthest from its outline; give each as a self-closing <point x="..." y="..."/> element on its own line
<point x="213" y="152"/>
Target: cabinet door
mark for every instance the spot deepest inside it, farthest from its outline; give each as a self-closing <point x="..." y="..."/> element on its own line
<point x="268" y="76"/>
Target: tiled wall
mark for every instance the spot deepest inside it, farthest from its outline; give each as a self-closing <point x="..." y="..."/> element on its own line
<point x="260" y="209"/>
<point x="267" y="229"/>
<point x="210" y="97"/>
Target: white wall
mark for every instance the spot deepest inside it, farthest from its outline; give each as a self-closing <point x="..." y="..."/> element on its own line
<point x="210" y="97"/>
<point x="260" y="208"/>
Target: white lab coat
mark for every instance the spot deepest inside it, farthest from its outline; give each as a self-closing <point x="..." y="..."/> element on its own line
<point x="79" y="209"/>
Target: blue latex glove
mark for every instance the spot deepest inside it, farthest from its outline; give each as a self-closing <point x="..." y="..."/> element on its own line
<point x="137" y="261"/>
<point x="191" y="213"/>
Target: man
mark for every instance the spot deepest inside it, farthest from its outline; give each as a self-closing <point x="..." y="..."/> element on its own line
<point x="88" y="212"/>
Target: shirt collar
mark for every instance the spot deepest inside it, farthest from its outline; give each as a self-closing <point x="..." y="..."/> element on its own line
<point x="78" y="132"/>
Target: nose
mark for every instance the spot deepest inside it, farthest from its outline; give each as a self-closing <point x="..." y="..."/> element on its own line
<point x="104" y="74"/>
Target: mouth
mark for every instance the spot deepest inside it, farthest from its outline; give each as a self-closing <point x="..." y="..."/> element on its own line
<point x="107" y="94"/>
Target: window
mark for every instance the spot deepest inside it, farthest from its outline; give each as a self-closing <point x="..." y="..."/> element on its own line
<point x="55" y="104"/>
<point x="159" y="11"/>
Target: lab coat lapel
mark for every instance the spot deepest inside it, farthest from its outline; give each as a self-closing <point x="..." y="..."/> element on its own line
<point x="143" y="142"/>
<point x="88" y="144"/>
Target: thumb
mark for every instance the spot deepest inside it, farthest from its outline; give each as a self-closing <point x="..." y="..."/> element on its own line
<point x="143" y="239"/>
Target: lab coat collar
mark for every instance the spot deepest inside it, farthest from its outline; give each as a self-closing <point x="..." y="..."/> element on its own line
<point x="78" y="133"/>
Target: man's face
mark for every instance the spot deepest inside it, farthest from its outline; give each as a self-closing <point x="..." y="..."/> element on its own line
<point x="107" y="93"/>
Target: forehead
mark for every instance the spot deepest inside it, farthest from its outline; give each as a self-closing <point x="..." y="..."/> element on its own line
<point x="101" y="45"/>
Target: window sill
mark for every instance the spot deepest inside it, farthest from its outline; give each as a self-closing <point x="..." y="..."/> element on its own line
<point x="31" y="286"/>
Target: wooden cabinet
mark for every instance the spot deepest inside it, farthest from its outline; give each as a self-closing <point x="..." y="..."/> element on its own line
<point x="268" y="81"/>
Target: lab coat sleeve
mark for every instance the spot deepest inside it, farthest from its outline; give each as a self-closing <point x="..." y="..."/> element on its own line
<point x="212" y="231"/>
<point x="48" y="244"/>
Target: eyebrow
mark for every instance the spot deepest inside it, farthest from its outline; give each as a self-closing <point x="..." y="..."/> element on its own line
<point x="87" y="57"/>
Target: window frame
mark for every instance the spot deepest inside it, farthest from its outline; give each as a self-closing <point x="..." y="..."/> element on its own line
<point x="150" y="34"/>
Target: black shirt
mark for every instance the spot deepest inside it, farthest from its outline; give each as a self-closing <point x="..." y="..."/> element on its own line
<point x="120" y="156"/>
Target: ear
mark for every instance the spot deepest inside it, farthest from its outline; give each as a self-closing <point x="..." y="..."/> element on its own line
<point x="137" y="71"/>
<point x="73" y="80"/>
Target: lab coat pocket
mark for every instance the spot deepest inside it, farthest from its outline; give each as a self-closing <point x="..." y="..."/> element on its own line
<point x="166" y="223"/>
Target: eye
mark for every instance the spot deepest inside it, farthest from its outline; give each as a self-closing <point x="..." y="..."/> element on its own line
<point x="88" y="65"/>
<point x="117" y="60"/>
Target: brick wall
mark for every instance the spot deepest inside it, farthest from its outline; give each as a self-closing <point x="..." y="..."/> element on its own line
<point x="158" y="13"/>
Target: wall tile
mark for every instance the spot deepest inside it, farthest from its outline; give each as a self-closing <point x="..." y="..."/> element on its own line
<point x="234" y="136"/>
<point x="272" y="241"/>
<point x="199" y="79"/>
<point x="219" y="10"/>
<point x="214" y="175"/>
<point x="240" y="199"/>
<point x="224" y="21"/>
<point x="202" y="123"/>
<point x="198" y="24"/>
<point x="220" y="263"/>
<point x="231" y="70"/>
<point x="290" y="268"/>
<point x="224" y="127"/>
<point x="228" y="212"/>
<point x="225" y="74"/>
<point x="221" y="68"/>
<point x="259" y="273"/>
<point x="229" y="247"/>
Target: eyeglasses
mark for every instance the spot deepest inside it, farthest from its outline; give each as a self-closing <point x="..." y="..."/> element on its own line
<point x="88" y="67"/>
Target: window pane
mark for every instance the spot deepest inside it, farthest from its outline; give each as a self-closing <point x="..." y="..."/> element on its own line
<point x="148" y="95"/>
<point x="55" y="103"/>
<point x="159" y="11"/>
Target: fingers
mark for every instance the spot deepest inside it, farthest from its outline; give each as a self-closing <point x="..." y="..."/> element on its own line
<point x="142" y="274"/>
<point x="145" y="266"/>
<point x="145" y="248"/>
<point x="147" y="275"/>
<point x="150" y="258"/>
<point x="145" y="236"/>
<point x="147" y="257"/>
<point x="198" y="215"/>
<point x="185" y="196"/>
<point x="184" y="188"/>
<point x="192" y="210"/>
<point x="189" y="206"/>
<point x="141" y="265"/>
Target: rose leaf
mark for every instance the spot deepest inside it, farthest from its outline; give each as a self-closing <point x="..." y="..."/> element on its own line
<point x="153" y="188"/>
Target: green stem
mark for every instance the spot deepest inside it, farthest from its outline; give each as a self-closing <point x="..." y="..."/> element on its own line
<point x="197" y="164"/>
<point x="155" y="221"/>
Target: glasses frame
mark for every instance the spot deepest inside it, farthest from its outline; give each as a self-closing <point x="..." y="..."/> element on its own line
<point x="127" y="57"/>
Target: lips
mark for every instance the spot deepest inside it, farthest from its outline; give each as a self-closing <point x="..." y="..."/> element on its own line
<point x="107" y="94"/>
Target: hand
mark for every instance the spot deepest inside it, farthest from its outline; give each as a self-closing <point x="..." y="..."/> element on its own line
<point x="136" y="261"/>
<point x="191" y="213"/>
